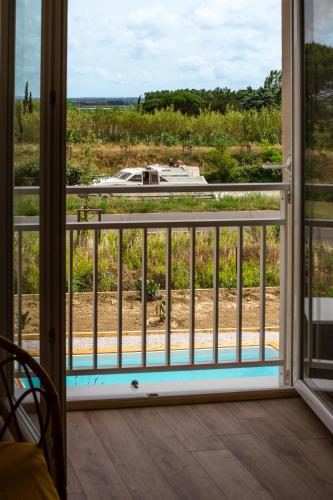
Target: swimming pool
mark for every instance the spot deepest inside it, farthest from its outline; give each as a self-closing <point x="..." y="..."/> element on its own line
<point x="179" y="356"/>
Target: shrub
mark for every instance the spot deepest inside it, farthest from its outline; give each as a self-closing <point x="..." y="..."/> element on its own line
<point x="243" y="166"/>
<point x="27" y="174"/>
<point x="224" y="165"/>
<point x="153" y="288"/>
<point x="83" y="173"/>
<point x="271" y="154"/>
<point x="79" y="174"/>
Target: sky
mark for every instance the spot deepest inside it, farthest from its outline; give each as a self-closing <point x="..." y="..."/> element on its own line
<point x="127" y="48"/>
<point x="319" y="20"/>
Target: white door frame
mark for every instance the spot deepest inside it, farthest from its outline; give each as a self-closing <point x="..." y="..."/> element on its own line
<point x="7" y="69"/>
<point x="52" y="189"/>
<point x="53" y="193"/>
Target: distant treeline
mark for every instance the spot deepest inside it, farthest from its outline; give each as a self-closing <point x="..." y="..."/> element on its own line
<point x="94" y="102"/>
<point x="197" y="117"/>
<point x="220" y="100"/>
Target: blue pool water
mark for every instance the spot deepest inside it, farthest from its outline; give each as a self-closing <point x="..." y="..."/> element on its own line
<point x="178" y="357"/>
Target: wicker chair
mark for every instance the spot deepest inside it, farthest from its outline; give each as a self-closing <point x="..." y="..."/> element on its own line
<point x="39" y="394"/>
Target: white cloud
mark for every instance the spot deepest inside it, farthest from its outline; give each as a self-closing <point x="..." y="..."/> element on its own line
<point x="181" y="43"/>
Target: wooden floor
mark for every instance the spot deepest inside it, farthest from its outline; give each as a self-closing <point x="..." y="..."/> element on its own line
<point x="243" y="450"/>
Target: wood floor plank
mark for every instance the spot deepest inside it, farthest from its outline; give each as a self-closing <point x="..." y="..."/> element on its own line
<point x="290" y="450"/>
<point x="219" y="419"/>
<point x="190" y="430"/>
<point x="294" y="414"/>
<point x="97" y="474"/>
<point x="261" y="460"/>
<point x="73" y="483"/>
<point x="231" y="476"/>
<point x="266" y="449"/>
<point x="246" y="409"/>
<point x="178" y="465"/>
<point x="138" y="471"/>
<point x="76" y="496"/>
<point x="320" y="452"/>
<point x="267" y="427"/>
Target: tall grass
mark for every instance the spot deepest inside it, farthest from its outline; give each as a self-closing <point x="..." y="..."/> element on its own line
<point x="169" y="127"/>
<point x="132" y="248"/>
<point x="165" y="127"/>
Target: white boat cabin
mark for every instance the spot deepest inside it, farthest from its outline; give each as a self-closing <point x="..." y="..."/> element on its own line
<point x="154" y="175"/>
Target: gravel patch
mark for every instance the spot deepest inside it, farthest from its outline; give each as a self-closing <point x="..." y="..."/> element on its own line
<point x="154" y="341"/>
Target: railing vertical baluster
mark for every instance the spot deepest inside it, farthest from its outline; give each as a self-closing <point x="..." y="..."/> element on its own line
<point x="120" y="299"/>
<point x="192" y="295"/>
<point x="95" y="301"/>
<point x="19" y="285"/>
<point x="70" y="300"/>
<point x="168" y="296"/>
<point x="283" y="344"/>
<point x="262" y="293"/>
<point x="216" y="295"/>
<point x="144" y="298"/>
<point x="310" y="302"/>
<point x="239" y="332"/>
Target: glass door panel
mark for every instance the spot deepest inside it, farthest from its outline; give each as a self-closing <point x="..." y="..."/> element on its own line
<point x="318" y="199"/>
<point x="27" y="175"/>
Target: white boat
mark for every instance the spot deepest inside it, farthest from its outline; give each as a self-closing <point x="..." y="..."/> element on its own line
<point x="153" y="175"/>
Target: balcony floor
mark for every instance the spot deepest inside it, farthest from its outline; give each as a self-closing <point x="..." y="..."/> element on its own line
<point x="242" y="450"/>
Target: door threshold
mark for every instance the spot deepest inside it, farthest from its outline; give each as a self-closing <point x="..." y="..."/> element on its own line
<point x="155" y="399"/>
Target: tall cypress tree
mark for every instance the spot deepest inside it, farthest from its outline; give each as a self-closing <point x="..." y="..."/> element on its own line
<point x="30" y="104"/>
<point x="26" y="97"/>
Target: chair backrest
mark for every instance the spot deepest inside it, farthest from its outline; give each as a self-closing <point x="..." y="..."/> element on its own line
<point x="32" y="386"/>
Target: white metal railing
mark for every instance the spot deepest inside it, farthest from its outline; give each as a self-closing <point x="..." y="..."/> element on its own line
<point x="239" y="221"/>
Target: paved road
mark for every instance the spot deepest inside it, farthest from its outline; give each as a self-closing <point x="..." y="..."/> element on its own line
<point x="170" y="216"/>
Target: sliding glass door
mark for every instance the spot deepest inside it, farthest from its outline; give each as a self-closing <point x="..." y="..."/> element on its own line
<point x="27" y="175"/>
<point x="317" y="194"/>
<point x="33" y="54"/>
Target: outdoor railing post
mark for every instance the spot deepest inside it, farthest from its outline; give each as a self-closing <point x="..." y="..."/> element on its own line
<point x="168" y="296"/>
<point x="19" y="286"/>
<point x="216" y="295"/>
<point x="262" y="293"/>
<point x="310" y="301"/>
<point x="70" y="300"/>
<point x="192" y="295"/>
<point x="239" y="265"/>
<point x="120" y="299"/>
<point x="95" y="300"/>
<point x="144" y="298"/>
<point x="284" y="351"/>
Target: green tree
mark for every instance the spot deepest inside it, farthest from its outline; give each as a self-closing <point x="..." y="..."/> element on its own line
<point x="26" y="97"/>
<point x="267" y="96"/>
<point x="188" y="102"/>
<point x="30" y="104"/>
<point x="222" y="99"/>
<point x="139" y="104"/>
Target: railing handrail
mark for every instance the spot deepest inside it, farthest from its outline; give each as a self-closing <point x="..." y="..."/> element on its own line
<point x="175" y="188"/>
<point x="319" y="188"/>
<point x="156" y="224"/>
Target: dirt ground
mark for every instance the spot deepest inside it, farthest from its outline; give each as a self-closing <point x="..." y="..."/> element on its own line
<point x="180" y="311"/>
